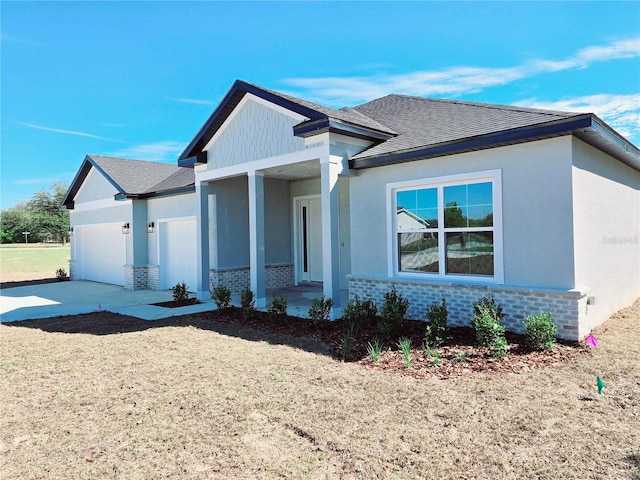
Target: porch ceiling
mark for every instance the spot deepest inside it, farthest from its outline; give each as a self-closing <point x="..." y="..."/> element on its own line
<point x="294" y="171"/>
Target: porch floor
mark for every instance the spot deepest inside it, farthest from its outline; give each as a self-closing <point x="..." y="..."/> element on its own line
<point x="299" y="297"/>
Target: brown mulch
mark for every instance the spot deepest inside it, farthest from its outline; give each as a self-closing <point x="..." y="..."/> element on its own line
<point x="457" y="357"/>
<point x="26" y="283"/>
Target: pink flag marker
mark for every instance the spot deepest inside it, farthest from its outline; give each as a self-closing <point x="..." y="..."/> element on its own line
<point x="591" y="340"/>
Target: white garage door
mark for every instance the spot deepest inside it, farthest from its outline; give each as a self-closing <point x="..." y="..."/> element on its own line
<point x="101" y="253"/>
<point x="178" y="257"/>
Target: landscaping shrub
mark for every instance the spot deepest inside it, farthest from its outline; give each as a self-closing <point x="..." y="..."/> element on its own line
<point x="374" y="350"/>
<point x="277" y="308"/>
<point x="486" y="322"/>
<point x="436" y="330"/>
<point x="393" y="312"/>
<point x="347" y="343"/>
<point x="489" y="302"/>
<point x="540" y="331"/>
<point x="320" y="309"/>
<point x="356" y="314"/>
<point x="247" y="303"/>
<point x="180" y="293"/>
<point x="222" y="296"/>
<point x="404" y="344"/>
<point x="61" y="274"/>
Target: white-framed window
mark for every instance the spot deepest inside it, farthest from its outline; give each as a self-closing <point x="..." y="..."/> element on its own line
<point x="447" y="227"/>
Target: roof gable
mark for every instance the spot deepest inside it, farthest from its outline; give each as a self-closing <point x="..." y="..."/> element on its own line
<point x="132" y="178"/>
<point x="317" y="118"/>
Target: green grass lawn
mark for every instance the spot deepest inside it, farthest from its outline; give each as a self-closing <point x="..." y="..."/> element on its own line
<point x="20" y="262"/>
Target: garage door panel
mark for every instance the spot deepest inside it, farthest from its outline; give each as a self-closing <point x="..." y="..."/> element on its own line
<point x="178" y="257"/>
<point x="102" y="253"/>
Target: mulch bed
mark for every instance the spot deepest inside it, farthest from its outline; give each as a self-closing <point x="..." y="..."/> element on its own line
<point x="458" y="356"/>
<point x="26" y="283"/>
<point x="174" y="304"/>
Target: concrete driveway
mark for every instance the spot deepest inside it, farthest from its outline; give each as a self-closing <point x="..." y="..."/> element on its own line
<point x="72" y="298"/>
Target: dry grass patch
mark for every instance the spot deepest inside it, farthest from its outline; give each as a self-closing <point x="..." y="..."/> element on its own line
<point x="200" y="398"/>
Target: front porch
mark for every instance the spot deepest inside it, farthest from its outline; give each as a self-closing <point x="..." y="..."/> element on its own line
<point x="299" y="298"/>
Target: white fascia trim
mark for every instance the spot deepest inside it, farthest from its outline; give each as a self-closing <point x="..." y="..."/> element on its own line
<point x="315" y="153"/>
<point x="97" y="204"/>
<point x="494" y="176"/>
<point x="251" y="97"/>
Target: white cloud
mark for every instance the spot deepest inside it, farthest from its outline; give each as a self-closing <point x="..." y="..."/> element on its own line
<point x="622" y="112"/>
<point x="68" y="132"/>
<point x="452" y="81"/>
<point x="165" y="151"/>
<point x="191" y="100"/>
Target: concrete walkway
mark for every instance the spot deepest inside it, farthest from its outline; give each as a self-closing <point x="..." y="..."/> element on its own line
<point x="80" y="296"/>
<point x="73" y="298"/>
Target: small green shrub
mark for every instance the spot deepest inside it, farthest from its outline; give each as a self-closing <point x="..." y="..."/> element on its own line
<point x="392" y="315"/>
<point x="489" y="303"/>
<point x="180" y="293"/>
<point x="247" y="303"/>
<point x="61" y="274"/>
<point x="358" y="313"/>
<point x="404" y="344"/>
<point x="486" y="322"/>
<point x="374" y="350"/>
<point x="347" y="344"/>
<point x="222" y="296"/>
<point x="436" y="330"/>
<point x="320" y="309"/>
<point x="540" y="331"/>
<point x="462" y="357"/>
<point x="277" y="308"/>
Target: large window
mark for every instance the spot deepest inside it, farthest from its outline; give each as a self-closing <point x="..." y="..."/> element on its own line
<point x="448" y="226"/>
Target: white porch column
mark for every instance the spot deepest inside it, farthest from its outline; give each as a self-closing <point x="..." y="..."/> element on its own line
<point x="256" y="237"/>
<point x="330" y="167"/>
<point x="202" y="239"/>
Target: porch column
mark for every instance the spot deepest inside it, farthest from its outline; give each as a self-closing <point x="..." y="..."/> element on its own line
<point x="202" y="240"/>
<point x="330" y="167"/>
<point x="256" y="237"/>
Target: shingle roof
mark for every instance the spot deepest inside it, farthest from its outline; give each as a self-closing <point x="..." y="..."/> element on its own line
<point x="140" y="177"/>
<point x="133" y="178"/>
<point x="422" y="122"/>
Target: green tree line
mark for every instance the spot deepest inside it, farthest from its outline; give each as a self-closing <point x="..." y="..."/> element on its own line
<point x="40" y="216"/>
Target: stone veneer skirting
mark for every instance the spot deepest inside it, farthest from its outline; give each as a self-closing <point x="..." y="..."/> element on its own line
<point x="237" y="279"/>
<point x="141" y="277"/>
<point x="568" y="307"/>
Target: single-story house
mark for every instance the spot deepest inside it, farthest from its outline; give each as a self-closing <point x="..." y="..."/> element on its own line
<point x="539" y="208"/>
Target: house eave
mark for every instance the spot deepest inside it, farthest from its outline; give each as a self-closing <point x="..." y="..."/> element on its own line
<point x="587" y="127"/>
<point x="147" y="195"/>
<point x="315" y="127"/>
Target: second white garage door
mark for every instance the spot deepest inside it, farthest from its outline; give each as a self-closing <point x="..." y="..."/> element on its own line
<point x="178" y="257"/>
<point x="101" y="253"/>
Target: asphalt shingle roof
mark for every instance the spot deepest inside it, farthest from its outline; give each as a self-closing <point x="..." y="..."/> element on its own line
<point x="139" y="177"/>
<point x="422" y="122"/>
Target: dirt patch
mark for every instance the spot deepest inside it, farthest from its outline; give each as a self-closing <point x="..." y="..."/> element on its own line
<point x="214" y="396"/>
<point x="458" y="357"/>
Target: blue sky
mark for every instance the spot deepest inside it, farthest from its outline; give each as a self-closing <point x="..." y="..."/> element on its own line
<point x="138" y="79"/>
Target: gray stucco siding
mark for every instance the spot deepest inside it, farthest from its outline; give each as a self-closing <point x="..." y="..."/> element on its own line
<point x="607" y="230"/>
<point x="277" y="220"/>
<point x="536" y="204"/>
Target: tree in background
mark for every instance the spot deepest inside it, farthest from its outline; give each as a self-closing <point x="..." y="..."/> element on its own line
<point x="41" y="216"/>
